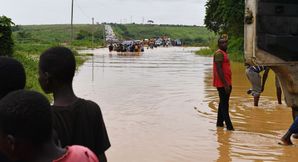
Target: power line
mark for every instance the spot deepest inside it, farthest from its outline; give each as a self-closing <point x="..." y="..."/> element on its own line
<point x="82" y="11"/>
<point x="71" y="25"/>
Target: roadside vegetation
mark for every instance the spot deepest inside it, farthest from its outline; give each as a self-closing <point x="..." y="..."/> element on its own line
<point x="235" y="49"/>
<point x="226" y="17"/>
<point x="189" y="35"/>
<point x="26" y="43"/>
<point x="34" y="37"/>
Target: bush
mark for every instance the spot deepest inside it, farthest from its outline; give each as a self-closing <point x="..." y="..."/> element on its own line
<point x="83" y="34"/>
<point x="236" y="49"/>
<point x="205" y="52"/>
<point x="6" y="41"/>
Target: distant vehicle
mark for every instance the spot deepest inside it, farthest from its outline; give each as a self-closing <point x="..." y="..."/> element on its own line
<point x="158" y="42"/>
<point x="127" y="42"/>
<point x="178" y="42"/>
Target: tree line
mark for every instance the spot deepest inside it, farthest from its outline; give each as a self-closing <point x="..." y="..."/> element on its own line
<point x="227" y="17"/>
<point x="6" y="41"/>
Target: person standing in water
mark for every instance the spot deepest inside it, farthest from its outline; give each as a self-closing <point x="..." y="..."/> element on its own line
<point x="257" y="82"/>
<point x="222" y="80"/>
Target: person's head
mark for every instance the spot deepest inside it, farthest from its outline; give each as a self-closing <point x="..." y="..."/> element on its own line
<point x="56" y="66"/>
<point x="25" y="123"/>
<point x="222" y="44"/>
<point x="12" y="75"/>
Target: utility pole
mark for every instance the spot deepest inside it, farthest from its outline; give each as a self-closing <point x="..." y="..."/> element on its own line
<point x="103" y="35"/>
<point x="71" y="24"/>
<point x="92" y="32"/>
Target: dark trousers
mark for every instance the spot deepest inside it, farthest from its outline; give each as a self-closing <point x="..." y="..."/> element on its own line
<point x="3" y="158"/>
<point x="294" y="126"/>
<point x="223" y="109"/>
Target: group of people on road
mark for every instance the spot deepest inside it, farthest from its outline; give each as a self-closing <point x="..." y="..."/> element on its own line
<point x="127" y="46"/>
<point x="72" y="129"/>
<point x="222" y="81"/>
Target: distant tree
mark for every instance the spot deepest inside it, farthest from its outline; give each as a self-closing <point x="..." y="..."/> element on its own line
<point x="227" y="16"/>
<point x="6" y="41"/>
<point x="214" y="17"/>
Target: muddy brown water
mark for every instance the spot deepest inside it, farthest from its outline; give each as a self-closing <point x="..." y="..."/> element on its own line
<point x="160" y="106"/>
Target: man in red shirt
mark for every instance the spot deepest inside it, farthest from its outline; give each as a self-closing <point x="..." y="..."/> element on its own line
<point x="222" y="80"/>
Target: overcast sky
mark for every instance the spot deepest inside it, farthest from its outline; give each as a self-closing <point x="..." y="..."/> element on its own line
<point x="189" y="12"/>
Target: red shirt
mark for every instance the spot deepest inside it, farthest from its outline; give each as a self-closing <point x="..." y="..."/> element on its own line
<point x="77" y="153"/>
<point x="225" y="68"/>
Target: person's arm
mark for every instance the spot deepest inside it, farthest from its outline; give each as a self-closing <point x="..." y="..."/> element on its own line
<point x="218" y="59"/>
<point x="102" y="157"/>
<point x="265" y="75"/>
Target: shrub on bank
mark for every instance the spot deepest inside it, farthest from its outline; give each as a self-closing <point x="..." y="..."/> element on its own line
<point x="30" y="63"/>
<point x="31" y="68"/>
<point x="235" y="49"/>
<point x="6" y="41"/>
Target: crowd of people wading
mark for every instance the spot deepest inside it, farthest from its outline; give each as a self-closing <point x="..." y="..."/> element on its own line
<point x="140" y="45"/>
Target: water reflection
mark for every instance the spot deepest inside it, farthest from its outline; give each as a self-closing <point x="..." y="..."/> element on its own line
<point x="224" y="148"/>
<point x="161" y="106"/>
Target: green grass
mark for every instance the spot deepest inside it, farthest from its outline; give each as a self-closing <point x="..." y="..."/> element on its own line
<point x="43" y="35"/>
<point x="235" y="49"/>
<point x="30" y="63"/>
<point x="205" y="52"/>
<point x="189" y="35"/>
<point x="32" y="40"/>
<point x="32" y="48"/>
<point x="59" y="35"/>
<point x="31" y="68"/>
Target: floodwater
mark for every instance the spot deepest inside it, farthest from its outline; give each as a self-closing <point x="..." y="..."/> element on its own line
<point x="160" y="106"/>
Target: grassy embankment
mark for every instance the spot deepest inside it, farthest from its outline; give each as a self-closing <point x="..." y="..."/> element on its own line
<point x="235" y="49"/>
<point x="31" y="40"/>
<point x="189" y="35"/>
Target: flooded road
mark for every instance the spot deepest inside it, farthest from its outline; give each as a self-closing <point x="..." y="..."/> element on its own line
<point x="160" y="106"/>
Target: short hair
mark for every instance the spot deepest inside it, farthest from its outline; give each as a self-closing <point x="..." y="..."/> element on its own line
<point x="12" y="74"/>
<point x="59" y="62"/>
<point x="223" y="37"/>
<point x="26" y="115"/>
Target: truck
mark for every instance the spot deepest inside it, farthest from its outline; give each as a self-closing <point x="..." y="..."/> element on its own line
<point x="271" y="39"/>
